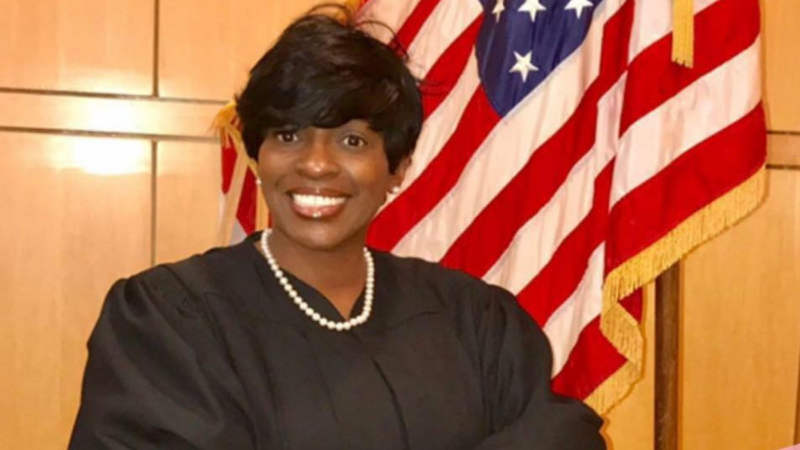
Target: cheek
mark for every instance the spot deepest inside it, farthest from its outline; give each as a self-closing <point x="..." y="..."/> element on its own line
<point x="375" y="180"/>
<point x="270" y="168"/>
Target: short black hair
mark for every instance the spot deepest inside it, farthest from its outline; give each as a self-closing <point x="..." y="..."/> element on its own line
<point x="325" y="71"/>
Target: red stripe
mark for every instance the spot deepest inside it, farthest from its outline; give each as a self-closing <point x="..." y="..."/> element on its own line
<point x="477" y="249"/>
<point x="593" y="359"/>
<point x="691" y="182"/>
<point x="228" y="155"/>
<point x="408" y="32"/>
<point x="723" y="30"/>
<point x="439" y="176"/>
<point x="567" y="267"/>
<point x="444" y="74"/>
<point x="246" y="214"/>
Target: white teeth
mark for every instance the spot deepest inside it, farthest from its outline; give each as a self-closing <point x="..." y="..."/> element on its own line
<point x="316" y="201"/>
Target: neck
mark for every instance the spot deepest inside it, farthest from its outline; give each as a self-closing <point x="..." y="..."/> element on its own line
<point x="338" y="273"/>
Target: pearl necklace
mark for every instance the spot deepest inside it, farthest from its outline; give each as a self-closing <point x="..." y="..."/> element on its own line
<point x="306" y="308"/>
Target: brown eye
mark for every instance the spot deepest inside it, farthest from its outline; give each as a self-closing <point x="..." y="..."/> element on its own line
<point x="286" y="136"/>
<point x="352" y="140"/>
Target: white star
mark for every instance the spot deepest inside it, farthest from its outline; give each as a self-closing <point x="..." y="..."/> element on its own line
<point x="578" y="5"/>
<point x="523" y="65"/>
<point x="532" y="7"/>
<point x="499" y="7"/>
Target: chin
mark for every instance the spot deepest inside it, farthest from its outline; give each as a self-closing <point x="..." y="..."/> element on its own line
<point x="321" y="243"/>
<point x="322" y="237"/>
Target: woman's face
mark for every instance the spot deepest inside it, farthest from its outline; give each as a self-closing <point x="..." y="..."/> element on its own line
<point x="323" y="186"/>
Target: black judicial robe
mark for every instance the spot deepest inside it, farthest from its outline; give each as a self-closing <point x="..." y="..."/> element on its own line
<point x="218" y="357"/>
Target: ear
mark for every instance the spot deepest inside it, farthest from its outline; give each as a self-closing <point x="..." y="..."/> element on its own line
<point x="400" y="173"/>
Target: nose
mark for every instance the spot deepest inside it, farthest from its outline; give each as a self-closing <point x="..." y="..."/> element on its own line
<point x="318" y="160"/>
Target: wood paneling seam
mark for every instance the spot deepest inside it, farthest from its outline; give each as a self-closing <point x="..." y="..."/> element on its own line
<point x="153" y="200"/>
<point x="783" y="133"/>
<point x="156" y="46"/>
<point x="783" y="167"/>
<point x="55" y="93"/>
<point x="101" y="134"/>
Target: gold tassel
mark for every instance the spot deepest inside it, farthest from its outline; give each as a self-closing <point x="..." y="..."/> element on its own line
<point x="683" y="32"/>
<point x="622" y="329"/>
<point x="226" y="123"/>
<point x="352" y="5"/>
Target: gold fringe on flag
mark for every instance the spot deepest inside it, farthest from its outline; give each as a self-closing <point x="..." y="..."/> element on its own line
<point x="226" y="123"/>
<point x="683" y="32"/>
<point x="352" y="7"/>
<point x="622" y="329"/>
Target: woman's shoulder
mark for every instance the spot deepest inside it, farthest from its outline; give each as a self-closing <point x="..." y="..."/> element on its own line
<point x="198" y="274"/>
<point x="447" y="284"/>
<point x="421" y="271"/>
<point x="174" y="294"/>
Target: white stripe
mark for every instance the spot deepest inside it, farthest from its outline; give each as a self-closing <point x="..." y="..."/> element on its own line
<point x="536" y="242"/>
<point x="565" y="325"/>
<point x="652" y="21"/>
<point x="444" y="120"/>
<point x="392" y="13"/>
<point x="507" y="149"/>
<point x="238" y="234"/>
<point x="444" y="25"/>
<point x="702" y="109"/>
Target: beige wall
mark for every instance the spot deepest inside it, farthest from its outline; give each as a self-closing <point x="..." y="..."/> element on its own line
<point x="140" y="80"/>
<point x="89" y="89"/>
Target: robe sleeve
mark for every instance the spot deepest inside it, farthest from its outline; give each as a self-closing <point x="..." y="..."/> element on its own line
<point x="516" y="362"/>
<point x="149" y="380"/>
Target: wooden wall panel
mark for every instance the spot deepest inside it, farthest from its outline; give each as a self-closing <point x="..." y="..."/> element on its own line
<point x="207" y="46"/>
<point x="741" y="340"/>
<point x="78" y="45"/>
<point x="188" y="199"/>
<point x="781" y="63"/>
<point x="784" y="150"/>
<point x="70" y="227"/>
<point x="78" y="113"/>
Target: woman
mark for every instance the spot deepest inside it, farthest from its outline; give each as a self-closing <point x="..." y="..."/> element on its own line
<point x="301" y="338"/>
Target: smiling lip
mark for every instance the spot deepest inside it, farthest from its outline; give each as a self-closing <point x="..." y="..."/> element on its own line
<point x="317" y="204"/>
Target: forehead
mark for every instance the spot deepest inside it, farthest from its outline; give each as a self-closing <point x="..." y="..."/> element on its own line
<point x="359" y="125"/>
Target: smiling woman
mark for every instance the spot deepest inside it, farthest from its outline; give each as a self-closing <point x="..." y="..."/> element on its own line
<point x="301" y="337"/>
<point x="323" y="187"/>
<point x="338" y="177"/>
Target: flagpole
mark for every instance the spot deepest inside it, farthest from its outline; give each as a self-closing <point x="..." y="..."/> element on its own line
<point x="797" y="413"/>
<point x="668" y="298"/>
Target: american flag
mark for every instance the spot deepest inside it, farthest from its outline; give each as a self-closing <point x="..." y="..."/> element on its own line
<point x="565" y="157"/>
